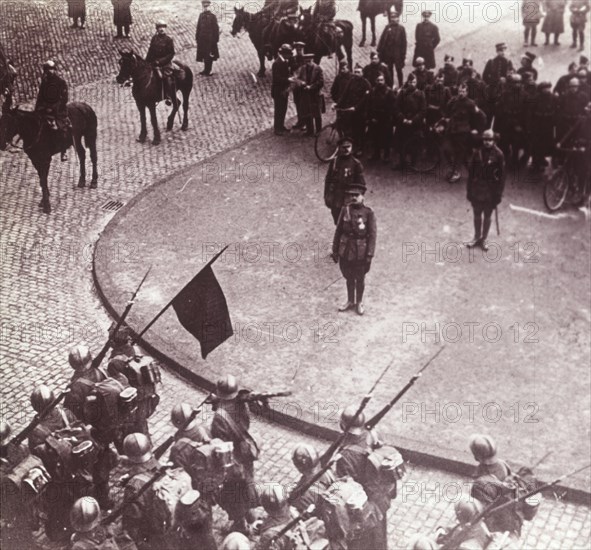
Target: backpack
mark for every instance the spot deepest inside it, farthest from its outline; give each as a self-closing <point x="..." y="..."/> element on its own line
<point x="143" y="374"/>
<point x="334" y="507"/>
<point x="208" y="464"/>
<point x="159" y="501"/>
<point x="387" y="465"/>
<point x="109" y="404"/>
<point x="68" y="451"/>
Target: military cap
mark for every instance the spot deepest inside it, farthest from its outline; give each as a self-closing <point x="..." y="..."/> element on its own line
<point x="427" y="13"/>
<point x="206" y="2"/>
<point x="161" y="23"/>
<point x="419" y="61"/>
<point x="299" y="44"/>
<point x="574" y="82"/>
<point x="49" y="64"/>
<point x="515" y="77"/>
<point x="544" y="85"/>
<point x="448" y="58"/>
<point x="467" y="61"/>
<point x="583" y="60"/>
<point x="285" y="48"/>
<point x="308" y="56"/>
<point x="354" y="189"/>
<point x="500" y="46"/>
<point x="529" y="55"/>
<point x="345" y="139"/>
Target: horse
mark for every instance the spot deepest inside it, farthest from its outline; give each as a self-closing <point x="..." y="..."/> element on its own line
<point x="277" y="33"/>
<point x="147" y="91"/>
<point x="41" y="142"/>
<point x="370" y="9"/>
<point x="324" y="38"/>
<point x="254" y="24"/>
<point x="7" y="75"/>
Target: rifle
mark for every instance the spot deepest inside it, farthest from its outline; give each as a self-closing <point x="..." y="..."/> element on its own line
<point x="337" y="443"/>
<point x="247" y="396"/>
<point x="39" y="417"/>
<point x="163" y="447"/>
<point x="101" y="355"/>
<point x="119" y="509"/>
<point x="299" y="491"/>
<point x="306" y="514"/>
<point x="493" y="508"/>
<point x="371" y="424"/>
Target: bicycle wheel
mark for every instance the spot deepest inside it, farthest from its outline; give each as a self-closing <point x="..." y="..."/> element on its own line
<point x="325" y="145"/>
<point x="556" y="189"/>
<point x="423" y="153"/>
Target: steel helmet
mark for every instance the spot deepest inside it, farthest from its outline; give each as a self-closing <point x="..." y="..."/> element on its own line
<point x="227" y="387"/>
<point x="236" y="541"/>
<point x="5" y="431"/>
<point x="483" y="448"/>
<point x="121" y="335"/>
<point x="348" y="418"/>
<point x="80" y="357"/>
<point x="180" y="414"/>
<point x="137" y="448"/>
<point x="466" y="510"/>
<point x="85" y="514"/>
<point x="488" y="134"/>
<point x="49" y="65"/>
<point x="273" y="498"/>
<point x="305" y="457"/>
<point x="41" y="397"/>
<point x="161" y="23"/>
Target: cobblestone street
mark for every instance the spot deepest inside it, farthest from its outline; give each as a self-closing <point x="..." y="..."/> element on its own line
<point x="47" y="293"/>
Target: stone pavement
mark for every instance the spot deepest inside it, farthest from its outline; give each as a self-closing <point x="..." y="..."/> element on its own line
<point x="47" y="294"/>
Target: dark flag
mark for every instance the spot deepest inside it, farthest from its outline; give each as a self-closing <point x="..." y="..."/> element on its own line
<point x="202" y="310"/>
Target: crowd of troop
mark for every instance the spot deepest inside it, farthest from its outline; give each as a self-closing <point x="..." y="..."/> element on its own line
<point x="64" y="479"/>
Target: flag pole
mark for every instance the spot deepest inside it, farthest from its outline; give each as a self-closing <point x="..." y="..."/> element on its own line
<point x="147" y="327"/>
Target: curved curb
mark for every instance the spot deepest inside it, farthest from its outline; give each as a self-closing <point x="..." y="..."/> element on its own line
<point x="415" y="452"/>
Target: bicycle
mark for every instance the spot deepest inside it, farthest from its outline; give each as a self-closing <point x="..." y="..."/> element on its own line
<point x="326" y="142"/>
<point x="424" y="149"/>
<point x="570" y="181"/>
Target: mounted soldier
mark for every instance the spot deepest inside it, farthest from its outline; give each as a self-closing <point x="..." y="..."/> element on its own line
<point x="52" y="103"/>
<point x="160" y="55"/>
<point x="324" y="10"/>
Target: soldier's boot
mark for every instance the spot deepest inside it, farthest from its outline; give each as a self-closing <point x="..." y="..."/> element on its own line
<point x="485" y="229"/>
<point x="360" y="289"/>
<point x="476" y="240"/>
<point x="350" y="296"/>
<point x="581" y="41"/>
<point x="574" y="44"/>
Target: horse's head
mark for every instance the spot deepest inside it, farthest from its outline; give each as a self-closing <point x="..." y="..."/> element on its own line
<point x="8" y="123"/>
<point x="127" y="63"/>
<point x="239" y="21"/>
<point x="305" y="19"/>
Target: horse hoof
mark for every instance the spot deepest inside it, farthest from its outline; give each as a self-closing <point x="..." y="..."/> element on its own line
<point x="81" y="184"/>
<point x="156" y="141"/>
<point x="93" y="184"/>
<point x="362" y="43"/>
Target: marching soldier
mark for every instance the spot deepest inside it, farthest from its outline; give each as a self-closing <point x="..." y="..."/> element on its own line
<point x="179" y="415"/>
<point x="354" y="463"/>
<point x="343" y="170"/>
<point x="231" y="422"/>
<point x="392" y="47"/>
<point x="89" y="534"/>
<point x="193" y="520"/>
<point x="207" y="37"/>
<point x="554" y="20"/>
<point x="486" y="181"/>
<point x="354" y="245"/>
<point x="531" y="14"/>
<point x="52" y="103"/>
<point x="160" y="55"/>
<point x="306" y="460"/>
<point x="57" y="419"/>
<point x="140" y="518"/>
<point x="427" y="39"/>
<point x="486" y="488"/>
